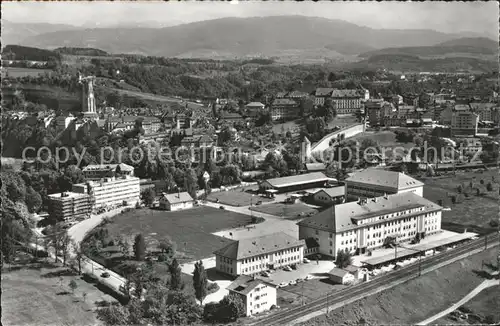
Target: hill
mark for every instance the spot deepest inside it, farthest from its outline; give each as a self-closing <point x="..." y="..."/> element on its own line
<point x="17" y="52"/>
<point x="241" y="37"/>
<point x="412" y="63"/>
<point x="470" y="47"/>
<point x="82" y="51"/>
<point x="14" y="33"/>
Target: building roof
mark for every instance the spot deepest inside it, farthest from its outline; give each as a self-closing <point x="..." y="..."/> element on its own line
<point x="343" y="217"/>
<point x="297" y="179"/>
<point x="338" y="272"/>
<point x="345" y="93"/>
<point x="334" y="191"/>
<point x="181" y="197"/>
<point x="230" y="115"/>
<point x="351" y="269"/>
<point x="67" y="195"/>
<point x="394" y="180"/>
<point x="323" y="91"/>
<point x="294" y="94"/>
<point x="244" y="284"/>
<point x="255" y="105"/>
<point x="107" y="167"/>
<point x="461" y="107"/>
<point x="315" y="166"/>
<point x="284" y="101"/>
<point x="251" y="247"/>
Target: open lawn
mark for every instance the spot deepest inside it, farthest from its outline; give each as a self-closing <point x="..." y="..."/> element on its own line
<point x="237" y="197"/>
<point x="39" y="294"/>
<point x="386" y="139"/>
<point x="472" y="212"/>
<point x="16" y="72"/>
<point x="190" y="229"/>
<point x="415" y="300"/>
<point x="290" y="211"/>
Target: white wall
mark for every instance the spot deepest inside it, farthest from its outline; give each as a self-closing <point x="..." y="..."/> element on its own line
<point x="324" y="143"/>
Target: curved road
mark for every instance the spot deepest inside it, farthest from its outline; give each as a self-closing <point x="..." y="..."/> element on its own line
<point x="361" y="290"/>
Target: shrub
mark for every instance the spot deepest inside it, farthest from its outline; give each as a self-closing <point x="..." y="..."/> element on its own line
<point x="454" y="199"/>
<point x="212" y="287"/>
<point x="489" y="186"/>
<point x="460" y="189"/>
<point x="493" y="223"/>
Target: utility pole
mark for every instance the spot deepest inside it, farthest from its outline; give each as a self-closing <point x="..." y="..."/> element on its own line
<point x="420" y="264"/>
<point x="302" y="290"/>
<point x="327" y="304"/>
<point x="485" y="241"/>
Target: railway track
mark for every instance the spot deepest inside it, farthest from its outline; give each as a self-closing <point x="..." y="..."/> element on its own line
<point x="406" y="273"/>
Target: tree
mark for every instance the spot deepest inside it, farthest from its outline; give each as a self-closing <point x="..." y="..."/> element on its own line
<point x="481" y="181"/>
<point x="33" y="200"/>
<point x="78" y="255"/>
<point x="460" y="189"/>
<point x="191" y="182"/>
<point x="114" y="315"/>
<point x="139" y="247"/>
<point x="148" y="196"/>
<point x="175" y="276"/>
<point x="73" y="285"/>
<point x="343" y="259"/>
<point x="489" y="186"/>
<point x="232" y="307"/>
<point x="200" y="281"/>
<point x="167" y="246"/>
<point x="65" y="242"/>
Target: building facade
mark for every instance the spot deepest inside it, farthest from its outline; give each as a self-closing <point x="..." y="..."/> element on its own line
<point x="464" y="123"/>
<point x="257" y="295"/>
<point x="356" y="227"/>
<point x="111" y="191"/>
<point x="70" y="206"/>
<point x="330" y="196"/>
<point x="95" y="172"/>
<point x="255" y="255"/>
<point x="284" y="109"/>
<point x="374" y="183"/>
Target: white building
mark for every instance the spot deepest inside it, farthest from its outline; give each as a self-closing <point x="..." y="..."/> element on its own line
<point x="374" y="182"/>
<point x="358" y="226"/>
<point x="96" y="172"/>
<point x="111" y="191"/>
<point x="330" y="196"/>
<point x="177" y="201"/>
<point x="340" y="276"/>
<point x="256" y="294"/>
<point x="255" y="255"/>
<point x="464" y="123"/>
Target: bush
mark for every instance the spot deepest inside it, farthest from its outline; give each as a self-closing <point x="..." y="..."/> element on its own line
<point x="212" y="287"/>
<point x="493" y="223"/>
<point x="453" y="199"/>
<point x="489" y="186"/>
<point x="460" y="189"/>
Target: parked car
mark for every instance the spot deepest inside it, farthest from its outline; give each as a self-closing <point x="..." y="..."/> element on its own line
<point x="105" y="275"/>
<point x="265" y="274"/>
<point x="222" y="207"/>
<point x="299" y="280"/>
<point x="292" y="282"/>
<point x="294" y="266"/>
<point x="287" y="268"/>
<point x="282" y="284"/>
<point x="259" y="202"/>
<point x="307" y="261"/>
<point x="308" y="277"/>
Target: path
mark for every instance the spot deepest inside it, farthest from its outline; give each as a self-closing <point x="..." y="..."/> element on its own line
<point x="484" y="285"/>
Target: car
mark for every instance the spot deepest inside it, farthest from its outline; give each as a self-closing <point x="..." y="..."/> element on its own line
<point x="308" y="277"/>
<point x="259" y="202"/>
<point x="287" y="268"/>
<point x="105" y="275"/>
<point x="292" y="282"/>
<point x="307" y="261"/>
<point x="265" y="274"/>
<point x="222" y="207"/>
<point x="299" y="280"/>
<point x="294" y="266"/>
<point x="282" y="284"/>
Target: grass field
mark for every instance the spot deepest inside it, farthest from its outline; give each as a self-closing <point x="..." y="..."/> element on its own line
<point x="38" y="294"/>
<point x="16" y="72"/>
<point x="415" y="300"/>
<point x="474" y="212"/>
<point x="310" y="290"/>
<point x="190" y="229"/>
<point x="290" y="211"/>
<point x="385" y="139"/>
<point x="237" y="197"/>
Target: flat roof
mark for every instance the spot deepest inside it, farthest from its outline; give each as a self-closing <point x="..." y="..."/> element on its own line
<point x="68" y="194"/>
<point x="297" y="179"/>
<point x="402" y="253"/>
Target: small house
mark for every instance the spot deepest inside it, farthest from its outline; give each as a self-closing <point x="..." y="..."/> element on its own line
<point x="177" y="201"/>
<point x="340" y="276"/>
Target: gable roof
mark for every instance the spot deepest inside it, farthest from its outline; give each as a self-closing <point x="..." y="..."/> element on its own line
<point x="333" y="191"/>
<point x="395" y="180"/>
<point x="343" y="217"/>
<point x="181" y="197"/>
<point x="315" y="166"/>
<point x="265" y="244"/>
<point x="255" y="105"/>
<point x="338" y="272"/>
<point x="298" y="179"/>
<point x="311" y="243"/>
<point x="244" y="284"/>
<point x="323" y="91"/>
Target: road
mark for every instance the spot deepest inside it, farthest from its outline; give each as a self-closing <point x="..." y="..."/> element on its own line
<point x="484" y="285"/>
<point x="359" y="291"/>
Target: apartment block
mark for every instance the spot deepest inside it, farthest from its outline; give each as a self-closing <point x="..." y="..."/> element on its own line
<point x="69" y="205"/>
<point x="257" y="295"/>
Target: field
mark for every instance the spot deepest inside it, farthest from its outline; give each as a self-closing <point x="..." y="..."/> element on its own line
<point x="238" y="197"/>
<point x="474" y="212"/>
<point x="310" y="290"/>
<point x="190" y="229"/>
<point x="16" y="72"/>
<point x="290" y="211"/>
<point x="415" y="300"/>
<point x="38" y="294"/>
<point x="385" y="139"/>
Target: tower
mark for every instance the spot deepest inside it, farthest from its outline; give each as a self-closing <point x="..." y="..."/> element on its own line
<point x="88" y="98"/>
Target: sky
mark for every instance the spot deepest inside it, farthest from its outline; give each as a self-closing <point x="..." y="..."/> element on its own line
<point x="448" y="17"/>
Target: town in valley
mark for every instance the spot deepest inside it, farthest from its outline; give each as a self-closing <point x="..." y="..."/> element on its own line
<point x="250" y="163"/>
